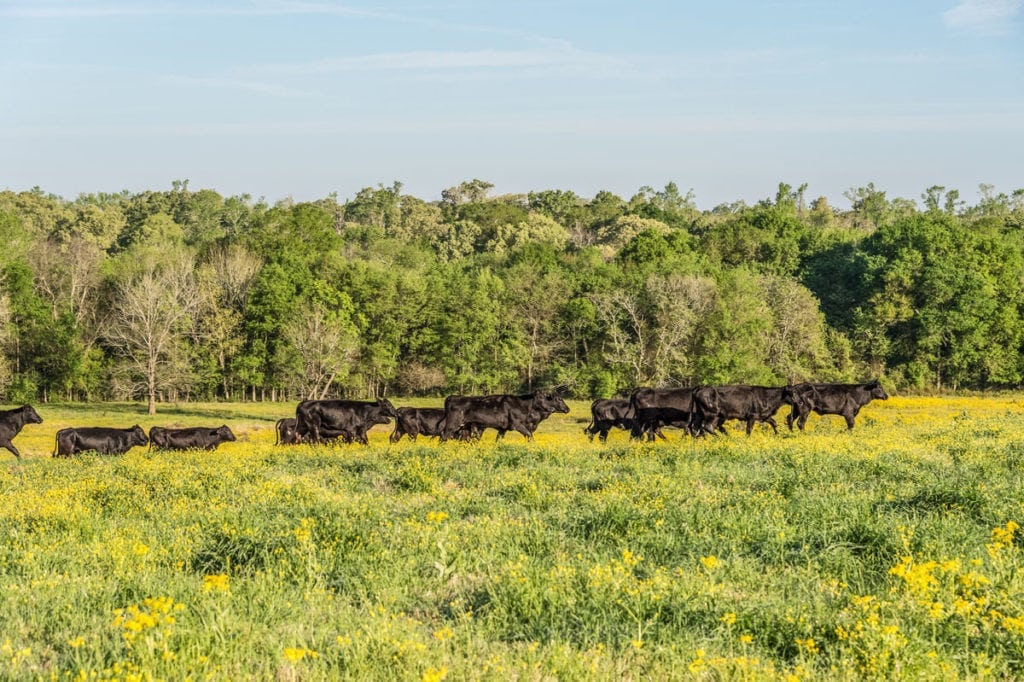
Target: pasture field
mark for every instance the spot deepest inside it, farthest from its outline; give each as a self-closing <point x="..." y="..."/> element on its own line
<point x="890" y="552"/>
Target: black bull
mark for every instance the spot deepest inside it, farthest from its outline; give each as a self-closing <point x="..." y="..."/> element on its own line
<point x="191" y="438"/>
<point x="11" y="423"/>
<point x="842" y="399"/>
<point x="103" y="440"/>
<point x="318" y="420"/>
<point x="521" y="413"/>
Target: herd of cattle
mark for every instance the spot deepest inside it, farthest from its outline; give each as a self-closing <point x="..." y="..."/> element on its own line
<point x="697" y="411"/>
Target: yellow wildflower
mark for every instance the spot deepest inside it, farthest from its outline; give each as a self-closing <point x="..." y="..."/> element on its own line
<point x="216" y="583"/>
<point x="434" y="674"/>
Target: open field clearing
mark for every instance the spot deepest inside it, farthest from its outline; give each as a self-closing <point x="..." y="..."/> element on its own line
<point x="889" y="552"/>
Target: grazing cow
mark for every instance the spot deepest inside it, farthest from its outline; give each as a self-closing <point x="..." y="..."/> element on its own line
<point x="192" y="438"/>
<point x="318" y="420"/>
<point x="653" y="407"/>
<point x="11" y="423"/>
<point x="842" y="399"/>
<point x="502" y="412"/>
<point x="286" y="433"/>
<point x="750" y="404"/>
<point x="606" y="414"/>
<point x="103" y="440"/>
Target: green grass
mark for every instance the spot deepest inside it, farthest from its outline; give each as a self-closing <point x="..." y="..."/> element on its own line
<point x="729" y="558"/>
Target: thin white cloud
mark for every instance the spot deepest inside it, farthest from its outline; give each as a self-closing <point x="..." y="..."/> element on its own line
<point x="984" y="16"/>
<point x="566" y="124"/>
<point x="257" y="87"/>
<point x="79" y="10"/>
<point x="64" y="10"/>
<point x="434" y="60"/>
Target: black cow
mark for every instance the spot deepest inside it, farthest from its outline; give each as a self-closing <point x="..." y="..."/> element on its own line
<point x="842" y="399"/>
<point x="536" y="415"/>
<point x="286" y="433"/>
<point x="654" y="419"/>
<point x="318" y="420"/>
<point x="11" y="423"/>
<point x="502" y="412"/>
<point x="103" y="440"/>
<point x="428" y="421"/>
<point x="750" y="404"/>
<point x="656" y="407"/>
<point x="414" y="421"/>
<point x="606" y="414"/>
<point x="192" y="438"/>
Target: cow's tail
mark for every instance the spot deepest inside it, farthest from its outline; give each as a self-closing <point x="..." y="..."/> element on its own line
<point x="591" y="428"/>
<point x="636" y="432"/>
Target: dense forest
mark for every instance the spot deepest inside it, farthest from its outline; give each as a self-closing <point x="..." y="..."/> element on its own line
<point x="189" y="295"/>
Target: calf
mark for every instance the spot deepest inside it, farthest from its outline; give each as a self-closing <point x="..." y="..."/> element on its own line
<point x="193" y="438"/>
<point x="414" y="421"/>
<point x="842" y="399"/>
<point x="103" y="440"/>
<point x="11" y="423"/>
<point x="606" y="414"/>
<point x="286" y="432"/>
<point x="656" y="407"/>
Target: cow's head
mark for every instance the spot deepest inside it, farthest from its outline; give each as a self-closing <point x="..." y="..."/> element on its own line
<point x="386" y="408"/>
<point x="31" y="416"/>
<point x="792" y="395"/>
<point x="138" y="436"/>
<point x="225" y="433"/>
<point x="549" y="402"/>
<point x="876" y="391"/>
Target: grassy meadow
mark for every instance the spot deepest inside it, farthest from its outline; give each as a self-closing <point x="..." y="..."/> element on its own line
<point x="890" y="552"/>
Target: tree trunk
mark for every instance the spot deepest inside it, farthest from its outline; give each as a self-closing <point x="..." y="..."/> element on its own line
<point x="151" y="385"/>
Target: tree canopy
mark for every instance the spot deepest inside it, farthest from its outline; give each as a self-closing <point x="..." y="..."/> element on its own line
<point x="184" y="294"/>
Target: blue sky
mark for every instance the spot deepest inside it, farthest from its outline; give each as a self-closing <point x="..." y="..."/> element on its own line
<point x="280" y="98"/>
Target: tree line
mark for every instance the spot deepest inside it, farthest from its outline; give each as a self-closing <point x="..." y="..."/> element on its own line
<point x="189" y="295"/>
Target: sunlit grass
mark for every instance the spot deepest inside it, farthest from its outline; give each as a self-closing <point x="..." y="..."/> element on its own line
<point x="891" y="551"/>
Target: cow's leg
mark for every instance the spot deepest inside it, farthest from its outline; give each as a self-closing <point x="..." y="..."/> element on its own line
<point x="771" y="422"/>
<point x="603" y="435"/>
<point x="750" y="425"/>
<point x="790" y="418"/>
<point x="314" y="428"/>
<point x="850" y="416"/>
<point x="801" y="420"/>
<point x="10" y="446"/>
<point x="451" y="427"/>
